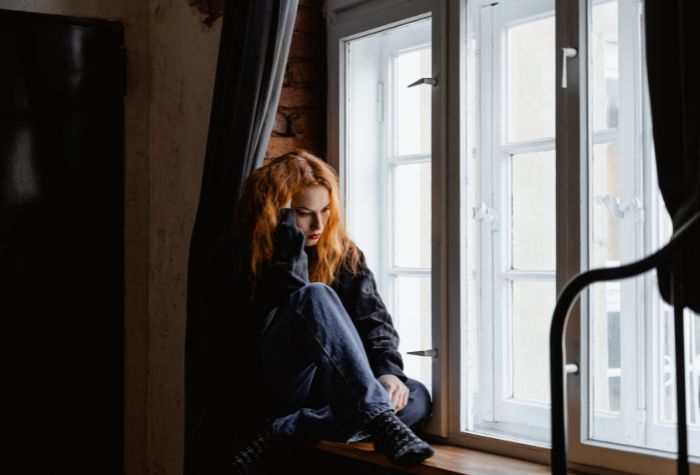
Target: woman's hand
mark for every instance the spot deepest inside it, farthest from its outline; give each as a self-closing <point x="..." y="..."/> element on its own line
<point x="398" y="391"/>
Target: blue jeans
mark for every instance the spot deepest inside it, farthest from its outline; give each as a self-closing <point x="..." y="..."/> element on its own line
<point x="317" y="379"/>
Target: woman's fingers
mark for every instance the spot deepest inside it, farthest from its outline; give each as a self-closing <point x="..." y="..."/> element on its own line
<point x="394" y="396"/>
<point x="398" y="399"/>
<point x="397" y="390"/>
<point x="404" y="399"/>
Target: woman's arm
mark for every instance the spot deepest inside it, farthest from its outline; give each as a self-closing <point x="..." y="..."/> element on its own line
<point x="288" y="269"/>
<point x="361" y="299"/>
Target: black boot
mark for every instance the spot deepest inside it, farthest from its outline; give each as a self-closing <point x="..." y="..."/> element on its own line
<point x="247" y="458"/>
<point x="397" y="441"/>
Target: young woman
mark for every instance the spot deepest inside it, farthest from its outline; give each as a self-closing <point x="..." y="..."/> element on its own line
<point x="328" y="363"/>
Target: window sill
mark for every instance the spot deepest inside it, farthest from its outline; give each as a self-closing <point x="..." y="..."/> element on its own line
<point x="448" y="459"/>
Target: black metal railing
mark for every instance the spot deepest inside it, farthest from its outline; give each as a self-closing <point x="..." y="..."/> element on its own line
<point x="670" y="255"/>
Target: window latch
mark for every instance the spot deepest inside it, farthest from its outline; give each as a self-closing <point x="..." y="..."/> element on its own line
<point x="431" y="81"/>
<point x="432" y="353"/>
<point x="566" y="53"/>
<point x="620" y="207"/>
<point x="484" y="213"/>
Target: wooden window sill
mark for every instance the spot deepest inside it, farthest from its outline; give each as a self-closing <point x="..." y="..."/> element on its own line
<point x="448" y="459"/>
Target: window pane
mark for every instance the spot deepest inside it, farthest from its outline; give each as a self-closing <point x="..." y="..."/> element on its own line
<point x="631" y="340"/>
<point x="605" y="328"/>
<point x="413" y="103"/>
<point x="412" y="215"/>
<point x="388" y="203"/>
<point x="370" y="101"/>
<point x="533" y="208"/>
<point x="531" y="74"/>
<point x="605" y="225"/>
<point x="533" y="304"/>
<point x="412" y="319"/>
<point x="604" y="66"/>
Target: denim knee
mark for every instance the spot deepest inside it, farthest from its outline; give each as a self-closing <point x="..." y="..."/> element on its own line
<point x="316" y="295"/>
<point x="313" y="291"/>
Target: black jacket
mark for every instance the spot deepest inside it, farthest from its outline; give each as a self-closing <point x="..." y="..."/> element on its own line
<point x="358" y="293"/>
<point x="229" y="370"/>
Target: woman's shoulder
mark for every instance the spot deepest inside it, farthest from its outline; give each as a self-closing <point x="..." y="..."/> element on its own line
<point x="353" y="268"/>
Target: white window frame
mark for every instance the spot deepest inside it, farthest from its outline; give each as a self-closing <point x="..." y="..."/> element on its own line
<point x="494" y="162"/>
<point x="348" y="19"/>
<point x="573" y="237"/>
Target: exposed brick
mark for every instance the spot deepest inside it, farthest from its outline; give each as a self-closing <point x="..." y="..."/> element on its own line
<point x="309" y="124"/>
<point x="313" y="4"/>
<point x="281" y="125"/>
<point x="307" y="45"/>
<point x="285" y="79"/>
<point x="298" y="97"/>
<point x="281" y="145"/>
<point x="307" y="72"/>
<point x="309" y="19"/>
<point x="300" y="119"/>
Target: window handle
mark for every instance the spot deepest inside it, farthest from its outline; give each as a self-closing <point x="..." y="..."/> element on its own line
<point x="432" y="353"/>
<point x="620" y="207"/>
<point x="487" y="214"/>
<point x="566" y="53"/>
<point x="431" y="81"/>
<point x="483" y="213"/>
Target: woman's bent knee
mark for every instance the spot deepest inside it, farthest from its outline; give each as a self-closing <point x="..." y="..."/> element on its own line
<point x="315" y="292"/>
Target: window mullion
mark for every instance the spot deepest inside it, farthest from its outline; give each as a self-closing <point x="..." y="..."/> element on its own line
<point x="484" y="402"/>
<point x="631" y="230"/>
<point x="571" y="178"/>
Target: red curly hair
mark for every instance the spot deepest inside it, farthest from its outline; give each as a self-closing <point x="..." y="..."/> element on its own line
<point x="268" y="188"/>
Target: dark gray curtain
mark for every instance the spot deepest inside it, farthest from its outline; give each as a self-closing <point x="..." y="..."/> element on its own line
<point x="253" y="52"/>
<point x="673" y="59"/>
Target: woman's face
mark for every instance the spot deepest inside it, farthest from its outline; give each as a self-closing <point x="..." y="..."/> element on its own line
<point x="312" y="206"/>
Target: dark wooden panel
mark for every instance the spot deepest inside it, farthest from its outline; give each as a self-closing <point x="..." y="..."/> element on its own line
<point x="62" y="238"/>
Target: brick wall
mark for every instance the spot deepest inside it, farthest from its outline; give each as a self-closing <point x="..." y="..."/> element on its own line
<point x="301" y="114"/>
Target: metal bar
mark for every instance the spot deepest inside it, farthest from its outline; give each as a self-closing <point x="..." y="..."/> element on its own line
<point x="677" y="300"/>
<point x="566" y="300"/>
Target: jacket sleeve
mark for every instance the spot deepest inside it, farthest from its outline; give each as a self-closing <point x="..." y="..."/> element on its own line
<point x="288" y="269"/>
<point x="361" y="299"/>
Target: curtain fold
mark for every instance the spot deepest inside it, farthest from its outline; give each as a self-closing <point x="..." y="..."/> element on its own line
<point x="255" y="41"/>
<point x="673" y="62"/>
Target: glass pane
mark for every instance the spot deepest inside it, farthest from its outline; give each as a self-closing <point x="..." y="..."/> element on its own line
<point x="663" y="368"/>
<point x="413" y="103"/>
<point x="605" y="333"/>
<point x="533" y="207"/>
<point x="604" y="82"/>
<point x="533" y="304"/>
<point x="632" y="375"/>
<point x="412" y="215"/>
<point x="531" y="73"/>
<point x="412" y="317"/>
<point x="667" y="367"/>
<point x="605" y="190"/>
<point x="370" y="97"/>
